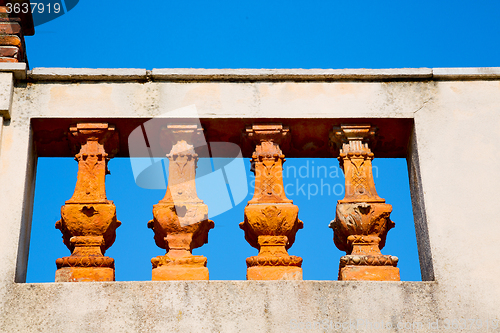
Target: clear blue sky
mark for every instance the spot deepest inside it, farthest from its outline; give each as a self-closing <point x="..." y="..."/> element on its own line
<point x="253" y="34"/>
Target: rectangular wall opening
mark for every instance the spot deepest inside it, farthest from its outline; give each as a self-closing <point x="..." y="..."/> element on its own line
<point x="314" y="184"/>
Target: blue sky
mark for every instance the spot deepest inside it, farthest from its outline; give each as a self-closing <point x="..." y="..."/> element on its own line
<point x="270" y="34"/>
<point x="256" y="34"/>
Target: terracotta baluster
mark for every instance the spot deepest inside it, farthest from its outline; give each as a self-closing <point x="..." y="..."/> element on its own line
<point x="181" y="219"/>
<point x="271" y="220"/>
<point x="363" y="218"/>
<point x="88" y="220"/>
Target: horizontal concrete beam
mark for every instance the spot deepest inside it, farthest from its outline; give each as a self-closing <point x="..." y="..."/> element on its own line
<point x="199" y="74"/>
<point x="222" y="306"/>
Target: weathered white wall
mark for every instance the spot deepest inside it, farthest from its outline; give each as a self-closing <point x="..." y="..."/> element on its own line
<point x="224" y="99"/>
<point x="458" y="142"/>
<point x="453" y="158"/>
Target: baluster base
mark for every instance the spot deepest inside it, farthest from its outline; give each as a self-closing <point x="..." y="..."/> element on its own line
<point x="369" y="273"/>
<point x="274" y="273"/>
<point x="85" y="267"/>
<point x="183" y="268"/>
<point x="85" y="274"/>
<point x="166" y="273"/>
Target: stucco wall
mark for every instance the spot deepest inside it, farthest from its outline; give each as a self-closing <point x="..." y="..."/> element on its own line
<point x="453" y="157"/>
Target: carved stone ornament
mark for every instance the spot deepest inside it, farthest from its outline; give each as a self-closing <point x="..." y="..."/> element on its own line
<point x="271" y="220"/>
<point x="181" y="219"/>
<point x="88" y="220"/>
<point x="363" y="218"/>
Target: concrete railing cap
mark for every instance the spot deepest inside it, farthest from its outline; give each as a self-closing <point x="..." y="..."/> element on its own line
<point x="199" y="74"/>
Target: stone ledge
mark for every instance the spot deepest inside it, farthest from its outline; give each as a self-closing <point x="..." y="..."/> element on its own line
<point x="87" y="74"/>
<point x="470" y="73"/>
<point x="18" y="68"/>
<point x="254" y="75"/>
<point x="215" y="306"/>
<point x="187" y="74"/>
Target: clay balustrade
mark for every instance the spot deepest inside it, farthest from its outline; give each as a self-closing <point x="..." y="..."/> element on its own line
<point x="180" y="220"/>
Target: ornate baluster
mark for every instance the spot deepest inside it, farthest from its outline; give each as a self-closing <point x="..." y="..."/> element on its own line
<point x="181" y="219"/>
<point x="362" y="220"/>
<point x="271" y="220"/>
<point x="88" y="220"/>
